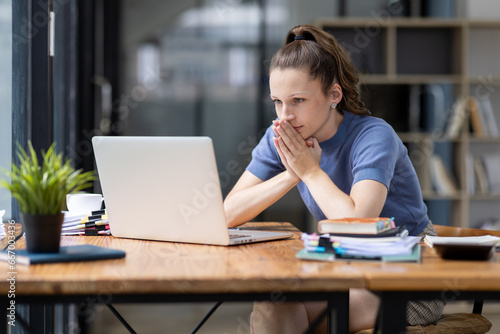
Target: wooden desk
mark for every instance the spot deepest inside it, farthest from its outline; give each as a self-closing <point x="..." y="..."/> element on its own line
<point x="434" y="278"/>
<point x="172" y="272"/>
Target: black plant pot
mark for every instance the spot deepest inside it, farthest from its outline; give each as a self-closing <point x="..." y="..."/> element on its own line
<point x="42" y="232"/>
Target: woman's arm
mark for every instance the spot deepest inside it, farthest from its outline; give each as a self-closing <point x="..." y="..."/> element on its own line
<point x="366" y="199"/>
<point x="250" y="196"/>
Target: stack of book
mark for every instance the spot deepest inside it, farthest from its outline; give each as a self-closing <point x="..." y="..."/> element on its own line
<point x="357" y="226"/>
<point x="364" y="239"/>
<point x="95" y="223"/>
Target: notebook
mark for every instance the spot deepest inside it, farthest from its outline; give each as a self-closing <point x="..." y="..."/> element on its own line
<point x="166" y="189"/>
<point x="75" y="253"/>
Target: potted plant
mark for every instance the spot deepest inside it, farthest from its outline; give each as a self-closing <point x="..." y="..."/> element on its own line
<point x="40" y="189"/>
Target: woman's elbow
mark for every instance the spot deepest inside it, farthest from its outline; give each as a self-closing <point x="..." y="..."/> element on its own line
<point x="231" y="215"/>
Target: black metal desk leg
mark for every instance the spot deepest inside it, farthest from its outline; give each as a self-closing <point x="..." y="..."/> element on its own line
<point x="339" y="314"/>
<point x="336" y="313"/>
<point x="4" y="303"/>
<point x="392" y="313"/>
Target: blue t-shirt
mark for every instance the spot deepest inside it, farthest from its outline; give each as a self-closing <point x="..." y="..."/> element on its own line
<point x="364" y="147"/>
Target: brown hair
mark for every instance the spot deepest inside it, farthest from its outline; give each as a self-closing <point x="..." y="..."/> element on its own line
<point x="319" y="53"/>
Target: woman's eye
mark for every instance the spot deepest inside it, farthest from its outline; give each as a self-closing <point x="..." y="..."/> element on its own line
<point x="277" y="101"/>
<point x="298" y="100"/>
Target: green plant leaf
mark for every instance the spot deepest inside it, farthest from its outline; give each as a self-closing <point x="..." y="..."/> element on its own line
<point x="42" y="189"/>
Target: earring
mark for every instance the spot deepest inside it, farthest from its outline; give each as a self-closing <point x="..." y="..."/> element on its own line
<point x="334" y="105"/>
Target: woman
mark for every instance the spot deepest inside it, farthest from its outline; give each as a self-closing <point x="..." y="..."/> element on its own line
<point x="344" y="162"/>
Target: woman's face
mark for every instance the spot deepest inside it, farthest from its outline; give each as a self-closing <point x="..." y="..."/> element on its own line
<point x="300" y="100"/>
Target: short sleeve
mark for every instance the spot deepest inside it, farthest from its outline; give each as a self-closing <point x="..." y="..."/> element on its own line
<point x="374" y="154"/>
<point x="265" y="162"/>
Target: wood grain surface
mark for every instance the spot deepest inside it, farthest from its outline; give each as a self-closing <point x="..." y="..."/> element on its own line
<point x="166" y="267"/>
<point x="434" y="273"/>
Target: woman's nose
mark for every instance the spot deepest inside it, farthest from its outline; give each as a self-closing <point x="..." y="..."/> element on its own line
<point x="286" y="114"/>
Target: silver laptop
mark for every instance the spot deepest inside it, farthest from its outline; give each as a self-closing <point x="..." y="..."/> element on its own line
<point x="166" y="189"/>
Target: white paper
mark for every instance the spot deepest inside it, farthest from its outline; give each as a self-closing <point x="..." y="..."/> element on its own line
<point x="403" y="246"/>
<point x="2" y="226"/>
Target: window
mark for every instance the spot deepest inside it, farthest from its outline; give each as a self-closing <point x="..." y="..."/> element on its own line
<point x="5" y="96"/>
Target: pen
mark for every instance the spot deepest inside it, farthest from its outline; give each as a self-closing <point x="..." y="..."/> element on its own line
<point x="307" y="237"/>
<point x="93" y="228"/>
<point x="313" y="243"/>
<point x="358" y="257"/>
<point x="384" y="225"/>
<point x="94" y="232"/>
<point x="339" y="250"/>
<point x="92" y="224"/>
<point x="94" y="218"/>
<point x="98" y="227"/>
<point x="316" y="249"/>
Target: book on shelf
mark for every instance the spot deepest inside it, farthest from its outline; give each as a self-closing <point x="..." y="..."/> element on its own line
<point x="426" y="106"/>
<point x="420" y="154"/>
<point x="372" y="225"/>
<point x="441" y="177"/>
<point x="438" y="9"/>
<point x="491" y="163"/>
<point x="469" y="168"/>
<point x="480" y="177"/>
<point x="414" y="109"/>
<point x="457" y="118"/>
<point x="482" y="117"/>
<point x="476" y="117"/>
<point x="489" y="116"/>
<point x="435" y="99"/>
<point x="414" y="8"/>
<point x="66" y="254"/>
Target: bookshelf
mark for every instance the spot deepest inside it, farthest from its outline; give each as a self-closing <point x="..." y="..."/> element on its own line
<point x="419" y="74"/>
